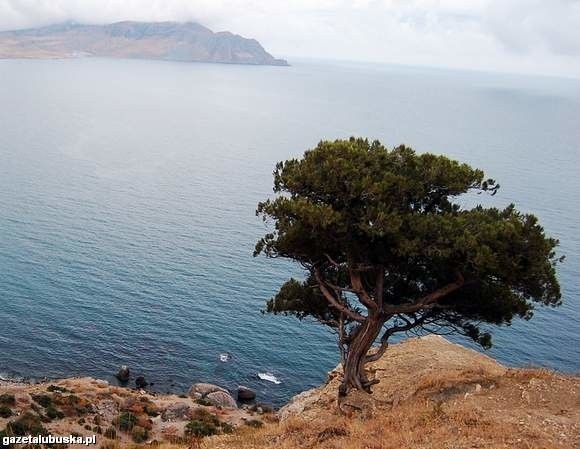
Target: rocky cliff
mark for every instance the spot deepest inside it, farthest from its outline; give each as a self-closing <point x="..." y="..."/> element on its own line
<point x="432" y="395"/>
<point x="189" y="42"/>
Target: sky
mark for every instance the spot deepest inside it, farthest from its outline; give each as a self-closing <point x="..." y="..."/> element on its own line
<point x="519" y="36"/>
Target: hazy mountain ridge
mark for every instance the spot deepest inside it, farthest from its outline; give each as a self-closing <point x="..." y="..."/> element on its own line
<point x="172" y="41"/>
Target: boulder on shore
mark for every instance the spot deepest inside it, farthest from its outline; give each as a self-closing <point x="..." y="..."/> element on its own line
<point x="123" y="374"/>
<point x="200" y="390"/>
<point x="246" y="394"/>
<point x="221" y="399"/>
<point x="212" y="394"/>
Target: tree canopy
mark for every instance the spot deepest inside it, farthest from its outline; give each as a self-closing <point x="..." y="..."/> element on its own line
<point x="388" y="248"/>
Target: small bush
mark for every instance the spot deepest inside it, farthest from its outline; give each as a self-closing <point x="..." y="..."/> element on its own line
<point x="204" y="416"/>
<point x="7" y="399"/>
<point x="42" y="399"/>
<point x="139" y="434"/>
<point x="5" y="412"/>
<point x="152" y="410"/>
<point x="200" y="429"/>
<point x="256" y="423"/>
<point x="54" y="413"/>
<point x="27" y="424"/>
<point x="110" y="433"/>
<point x="57" y="389"/>
<point x="127" y="421"/>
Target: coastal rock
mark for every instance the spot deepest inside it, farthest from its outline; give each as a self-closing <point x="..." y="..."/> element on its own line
<point x="201" y="390"/>
<point x="177" y="411"/>
<point x="140" y="382"/>
<point x="123" y="374"/>
<point x="246" y="394"/>
<point x="221" y="399"/>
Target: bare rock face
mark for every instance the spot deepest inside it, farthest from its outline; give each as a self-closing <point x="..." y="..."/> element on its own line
<point x="176" y="411"/>
<point x="201" y="390"/>
<point x="169" y="41"/>
<point x="221" y="399"/>
<point x="212" y="394"/>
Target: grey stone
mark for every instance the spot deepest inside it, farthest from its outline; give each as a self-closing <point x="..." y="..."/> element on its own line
<point x="123" y="374"/>
<point x="246" y="394"/>
<point x="221" y="399"/>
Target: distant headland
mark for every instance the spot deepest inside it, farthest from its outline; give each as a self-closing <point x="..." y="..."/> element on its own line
<point x="169" y="41"/>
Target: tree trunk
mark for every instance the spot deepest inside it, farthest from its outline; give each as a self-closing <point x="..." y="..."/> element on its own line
<point x="354" y="373"/>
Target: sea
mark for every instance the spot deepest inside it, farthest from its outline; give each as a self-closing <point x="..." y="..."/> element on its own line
<point x="128" y="192"/>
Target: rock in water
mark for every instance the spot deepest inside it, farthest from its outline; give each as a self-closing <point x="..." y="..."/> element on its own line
<point x="123" y="374"/>
<point x="246" y="394"/>
<point x="140" y="382"/>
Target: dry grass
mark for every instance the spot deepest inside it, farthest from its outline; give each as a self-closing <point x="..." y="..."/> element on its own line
<point x="420" y="425"/>
<point x="432" y="395"/>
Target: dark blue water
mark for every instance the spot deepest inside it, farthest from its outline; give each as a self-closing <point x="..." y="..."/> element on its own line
<point x="128" y="190"/>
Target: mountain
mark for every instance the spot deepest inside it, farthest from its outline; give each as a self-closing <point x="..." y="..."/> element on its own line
<point x="170" y="41"/>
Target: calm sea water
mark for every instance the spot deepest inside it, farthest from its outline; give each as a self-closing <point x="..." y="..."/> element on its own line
<point x="128" y="190"/>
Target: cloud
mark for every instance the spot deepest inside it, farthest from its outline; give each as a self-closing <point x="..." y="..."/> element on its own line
<point x="530" y="36"/>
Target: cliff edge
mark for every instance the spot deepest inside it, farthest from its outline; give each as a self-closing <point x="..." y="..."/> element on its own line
<point x="432" y="394"/>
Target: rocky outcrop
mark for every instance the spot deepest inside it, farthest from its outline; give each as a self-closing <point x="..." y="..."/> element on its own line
<point x="213" y="395"/>
<point x="221" y="399"/>
<point x="246" y="394"/>
<point x="401" y="372"/>
<point x="177" y="411"/>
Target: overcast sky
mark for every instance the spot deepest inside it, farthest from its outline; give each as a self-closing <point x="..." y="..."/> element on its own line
<point x="526" y="36"/>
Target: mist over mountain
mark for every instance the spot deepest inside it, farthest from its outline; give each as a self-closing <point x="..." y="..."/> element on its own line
<point x="171" y="41"/>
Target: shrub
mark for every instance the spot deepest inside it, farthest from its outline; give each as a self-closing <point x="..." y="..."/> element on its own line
<point x="27" y="424"/>
<point x="256" y="423"/>
<point x="204" y="416"/>
<point x="42" y="399"/>
<point x="110" y="433"/>
<point x="57" y="389"/>
<point x="54" y="413"/>
<point x="200" y="429"/>
<point x="7" y="399"/>
<point x="5" y="412"/>
<point x="139" y="434"/>
<point x="127" y="421"/>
